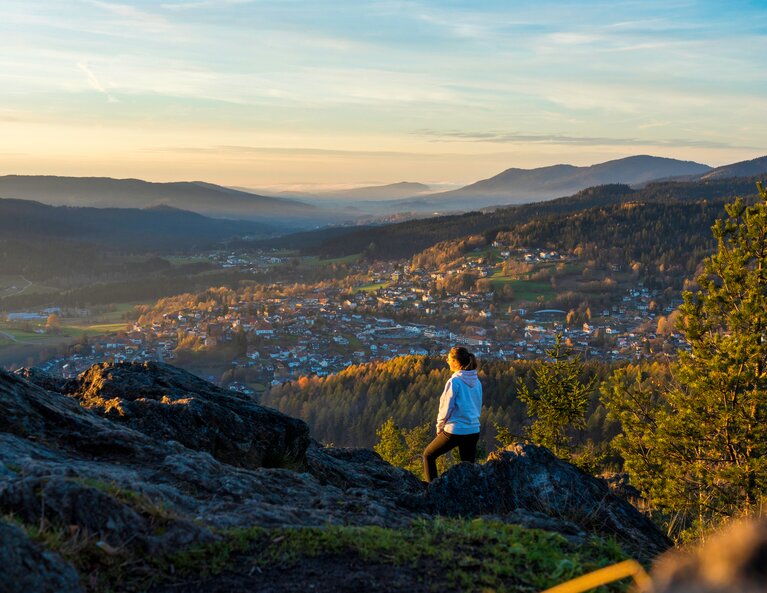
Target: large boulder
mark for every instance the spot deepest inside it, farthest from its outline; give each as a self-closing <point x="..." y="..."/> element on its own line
<point x="531" y="478"/>
<point x="69" y="465"/>
<point x="27" y="567"/>
<point x="101" y="510"/>
<point x="349" y="468"/>
<point x="168" y="403"/>
<point x="46" y="380"/>
<point x="39" y="417"/>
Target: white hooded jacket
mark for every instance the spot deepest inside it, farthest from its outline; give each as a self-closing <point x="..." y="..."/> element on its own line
<point x="460" y="404"/>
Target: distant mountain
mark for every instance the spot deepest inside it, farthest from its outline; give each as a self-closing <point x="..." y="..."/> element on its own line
<point x="122" y="228"/>
<point x="404" y="239"/>
<point x="393" y="191"/>
<point x="518" y="186"/>
<point x="202" y="198"/>
<point x="750" y="168"/>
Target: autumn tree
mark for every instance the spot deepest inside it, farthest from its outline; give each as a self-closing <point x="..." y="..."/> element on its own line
<point x="53" y="324"/>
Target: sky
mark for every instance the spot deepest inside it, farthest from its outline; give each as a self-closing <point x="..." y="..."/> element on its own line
<point x="298" y="94"/>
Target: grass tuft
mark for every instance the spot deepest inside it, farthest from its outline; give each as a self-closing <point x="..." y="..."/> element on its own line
<point x="448" y="554"/>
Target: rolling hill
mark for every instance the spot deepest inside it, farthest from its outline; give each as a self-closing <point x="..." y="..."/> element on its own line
<point x="122" y="228"/>
<point x="392" y="191"/>
<point x="517" y="186"/>
<point x="202" y="198"/>
<point x="404" y="239"/>
<point x="750" y="168"/>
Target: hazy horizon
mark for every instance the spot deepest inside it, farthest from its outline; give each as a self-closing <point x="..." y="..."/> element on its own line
<point x="277" y="94"/>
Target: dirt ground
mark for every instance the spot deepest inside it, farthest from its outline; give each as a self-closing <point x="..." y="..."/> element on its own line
<point x="324" y="574"/>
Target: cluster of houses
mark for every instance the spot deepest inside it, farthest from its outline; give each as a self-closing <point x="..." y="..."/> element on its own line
<point x="400" y="312"/>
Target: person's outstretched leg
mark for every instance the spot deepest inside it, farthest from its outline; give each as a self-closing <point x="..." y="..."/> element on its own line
<point x="467" y="447"/>
<point x="441" y="444"/>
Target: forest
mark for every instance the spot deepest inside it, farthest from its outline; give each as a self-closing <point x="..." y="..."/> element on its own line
<point x="664" y="242"/>
<point x="347" y="408"/>
<point x="403" y="240"/>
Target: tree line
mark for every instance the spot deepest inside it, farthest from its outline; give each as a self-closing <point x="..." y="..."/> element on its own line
<point x="405" y="239"/>
<point x="347" y="408"/>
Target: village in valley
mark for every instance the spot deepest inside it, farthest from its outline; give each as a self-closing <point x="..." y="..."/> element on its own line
<point x="499" y="301"/>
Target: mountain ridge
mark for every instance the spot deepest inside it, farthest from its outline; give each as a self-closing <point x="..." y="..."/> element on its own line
<point x="757" y="166"/>
<point x="404" y="239"/>
<point x="401" y="189"/>
<point x="516" y="186"/>
<point x="200" y="197"/>
<point x="145" y="228"/>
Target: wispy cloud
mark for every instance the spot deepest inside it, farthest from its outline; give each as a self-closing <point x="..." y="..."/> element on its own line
<point x="519" y="138"/>
<point x="95" y="83"/>
<point x="133" y="16"/>
<point x="302" y="152"/>
<point x="195" y="5"/>
<point x="530" y="82"/>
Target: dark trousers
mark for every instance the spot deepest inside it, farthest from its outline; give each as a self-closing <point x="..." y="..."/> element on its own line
<point x="444" y="442"/>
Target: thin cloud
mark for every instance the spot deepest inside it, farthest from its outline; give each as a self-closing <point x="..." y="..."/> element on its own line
<point x="269" y="150"/>
<point x="95" y="83"/>
<point x="303" y="152"/>
<point x="203" y="4"/>
<point x="514" y="137"/>
<point x="131" y="15"/>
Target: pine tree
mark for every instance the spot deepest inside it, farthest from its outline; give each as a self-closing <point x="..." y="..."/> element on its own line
<point x="702" y="449"/>
<point x="391" y="444"/>
<point x="559" y="400"/>
<point x="717" y="410"/>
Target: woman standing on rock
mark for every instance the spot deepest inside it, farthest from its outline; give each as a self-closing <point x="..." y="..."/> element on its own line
<point x="459" y="409"/>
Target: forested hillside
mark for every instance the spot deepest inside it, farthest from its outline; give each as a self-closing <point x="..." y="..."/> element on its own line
<point x="408" y="238"/>
<point x="663" y="242"/>
<point x="519" y="186"/>
<point x="347" y="408"/>
<point x="204" y="198"/>
<point x="45" y="242"/>
<point x="160" y="228"/>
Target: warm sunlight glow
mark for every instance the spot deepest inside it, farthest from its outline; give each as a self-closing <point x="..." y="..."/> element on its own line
<point x="273" y="93"/>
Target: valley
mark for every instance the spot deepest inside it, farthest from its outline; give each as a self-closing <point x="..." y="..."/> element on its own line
<point x="393" y="297"/>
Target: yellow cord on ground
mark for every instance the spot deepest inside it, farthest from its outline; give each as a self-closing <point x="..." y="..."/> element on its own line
<point x="608" y="574"/>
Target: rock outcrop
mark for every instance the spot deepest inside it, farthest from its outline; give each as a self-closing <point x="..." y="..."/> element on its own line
<point x="531" y="478"/>
<point x="168" y="403"/>
<point x="149" y="458"/>
<point x="27" y="567"/>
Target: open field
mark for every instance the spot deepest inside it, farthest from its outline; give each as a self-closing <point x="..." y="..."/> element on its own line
<point x="117" y="315"/>
<point x="13" y="334"/>
<point x="93" y="329"/>
<point x="19" y="343"/>
<point x="493" y="254"/>
<point x="180" y="260"/>
<point x="524" y="289"/>
<point x="19" y="347"/>
<point x="372" y="287"/>
<point x="527" y="290"/>
<point x="13" y="285"/>
<point x="316" y="261"/>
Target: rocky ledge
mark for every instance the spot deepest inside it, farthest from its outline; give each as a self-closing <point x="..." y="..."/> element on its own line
<point x="149" y="458"/>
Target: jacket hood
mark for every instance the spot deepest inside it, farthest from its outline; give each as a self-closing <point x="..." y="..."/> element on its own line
<point x="468" y="377"/>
